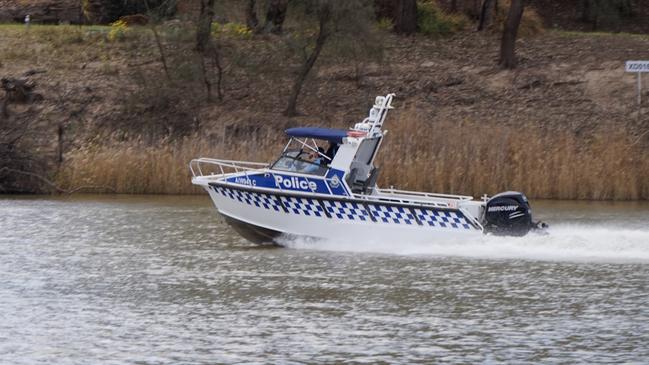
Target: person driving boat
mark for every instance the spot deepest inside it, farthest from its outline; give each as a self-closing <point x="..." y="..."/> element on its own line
<point x="316" y="160"/>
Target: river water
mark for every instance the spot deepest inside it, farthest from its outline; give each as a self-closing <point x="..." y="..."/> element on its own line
<point x="161" y="280"/>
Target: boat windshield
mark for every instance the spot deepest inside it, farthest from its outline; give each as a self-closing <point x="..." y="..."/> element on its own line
<point x="301" y="161"/>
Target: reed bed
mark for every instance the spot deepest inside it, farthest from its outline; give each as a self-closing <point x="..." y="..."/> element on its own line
<point x="471" y="158"/>
<point x="463" y="158"/>
<point x="136" y="167"/>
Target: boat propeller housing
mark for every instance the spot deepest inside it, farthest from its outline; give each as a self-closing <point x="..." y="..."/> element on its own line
<point x="508" y="214"/>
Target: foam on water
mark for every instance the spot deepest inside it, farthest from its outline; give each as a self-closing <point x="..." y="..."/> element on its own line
<point x="563" y="243"/>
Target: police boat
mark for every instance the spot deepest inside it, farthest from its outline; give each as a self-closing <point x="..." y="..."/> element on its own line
<point x="323" y="185"/>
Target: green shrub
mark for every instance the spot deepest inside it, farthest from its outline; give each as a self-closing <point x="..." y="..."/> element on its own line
<point x="237" y="30"/>
<point x="385" y="24"/>
<point x="118" y="31"/>
<point x="431" y="20"/>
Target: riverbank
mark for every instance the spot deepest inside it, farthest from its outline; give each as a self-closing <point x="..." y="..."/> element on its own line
<point x="562" y="126"/>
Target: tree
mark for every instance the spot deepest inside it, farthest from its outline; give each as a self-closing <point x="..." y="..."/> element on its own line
<point x="508" y="42"/>
<point x="324" y="10"/>
<point x="154" y="17"/>
<point x="275" y="15"/>
<point x="470" y="8"/>
<point x="19" y="142"/>
<point x="453" y="6"/>
<point x="385" y="9"/>
<point x="406" y="17"/>
<point x="205" y="46"/>
<point x="337" y="23"/>
<point x="487" y="13"/>
<point x="402" y="14"/>
<point x="251" y="15"/>
<point x="204" y="25"/>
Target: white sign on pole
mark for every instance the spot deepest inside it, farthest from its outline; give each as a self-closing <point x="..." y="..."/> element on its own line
<point x="638" y="67"/>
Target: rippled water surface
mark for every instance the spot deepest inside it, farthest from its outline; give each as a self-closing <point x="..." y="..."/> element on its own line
<point x="161" y="280"/>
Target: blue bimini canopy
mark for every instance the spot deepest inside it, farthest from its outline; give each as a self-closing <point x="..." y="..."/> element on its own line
<point x="328" y="134"/>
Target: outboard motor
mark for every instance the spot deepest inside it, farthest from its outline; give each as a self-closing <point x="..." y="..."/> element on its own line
<point x="509" y="214"/>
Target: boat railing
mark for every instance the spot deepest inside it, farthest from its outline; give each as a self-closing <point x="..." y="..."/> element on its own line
<point x="471" y="218"/>
<point x="419" y="194"/>
<point x="222" y="167"/>
<point x="401" y="200"/>
<point x="413" y="197"/>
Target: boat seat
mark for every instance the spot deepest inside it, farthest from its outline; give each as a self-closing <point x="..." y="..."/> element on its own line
<point x="356" y="185"/>
<point x="351" y="177"/>
<point x="370" y="183"/>
<point x="362" y="186"/>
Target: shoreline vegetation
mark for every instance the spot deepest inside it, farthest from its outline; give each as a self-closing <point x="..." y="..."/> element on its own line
<point x="457" y="158"/>
<point x="563" y="125"/>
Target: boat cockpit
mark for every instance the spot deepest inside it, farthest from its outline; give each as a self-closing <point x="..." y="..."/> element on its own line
<point x="301" y="161"/>
<point x="308" y="155"/>
<point x="317" y="151"/>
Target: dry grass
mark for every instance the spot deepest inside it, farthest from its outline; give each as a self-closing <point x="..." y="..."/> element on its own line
<point x="468" y="158"/>
<point x="138" y="168"/>
<point x="471" y="158"/>
<point x="67" y="47"/>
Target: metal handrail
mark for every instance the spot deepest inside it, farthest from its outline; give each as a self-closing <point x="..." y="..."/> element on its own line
<point x="473" y="219"/>
<point x="385" y="195"/>
<point x="423" y="194"/>
<point x="224" y="165"/>
<point x="391" y="194"/>
<point x="379" y="198"/>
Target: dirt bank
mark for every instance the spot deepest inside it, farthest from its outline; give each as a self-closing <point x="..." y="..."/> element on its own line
<point x="563" y="125"/>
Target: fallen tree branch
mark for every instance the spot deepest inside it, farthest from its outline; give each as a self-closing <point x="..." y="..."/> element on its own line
<point x="53" y="185"/>
<point x="33" y="72"/>
<point x="571" y="82"/>
<point x="4" y="110"/>
<point x="640" y="137"/>
<point x="19" y="90"/>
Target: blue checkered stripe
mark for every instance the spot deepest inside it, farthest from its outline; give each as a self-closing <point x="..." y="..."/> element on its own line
<point x="442" y="218"/>
<point x="346" y="210"/>
<point x="392" y="214"/>
<point x="303" y="206"/>
<point x="257" y="199"/>
<point x="349" y="210"/>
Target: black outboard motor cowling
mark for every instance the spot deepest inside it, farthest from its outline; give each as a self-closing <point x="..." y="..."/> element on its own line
<point x="508" y="214"/>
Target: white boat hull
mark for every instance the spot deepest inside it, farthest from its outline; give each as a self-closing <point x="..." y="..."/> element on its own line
<point x="262" y="216"/>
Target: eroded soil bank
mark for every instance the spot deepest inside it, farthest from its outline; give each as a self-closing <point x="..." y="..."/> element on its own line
<point x="565" y="124"/>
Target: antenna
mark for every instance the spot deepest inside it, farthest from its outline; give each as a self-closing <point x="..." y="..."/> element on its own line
<point x="373" y="123"/>
<point x="381" y="104"/>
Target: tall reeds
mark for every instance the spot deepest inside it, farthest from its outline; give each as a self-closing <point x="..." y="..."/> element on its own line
<point x="136" y="167"/>
<point x="419" y="154"/>
<point x="470" y="158"/>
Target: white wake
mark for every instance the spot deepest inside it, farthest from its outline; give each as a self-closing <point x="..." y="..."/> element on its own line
<point x="563" y="243"/>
